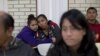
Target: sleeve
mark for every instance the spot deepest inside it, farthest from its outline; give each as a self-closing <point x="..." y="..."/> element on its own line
<point x="56" y="31"/>
<point x="47" y="40"/>
<point x="43" y="39"/>
<point x="31" y="52"/>
<point x="28" y="38"/>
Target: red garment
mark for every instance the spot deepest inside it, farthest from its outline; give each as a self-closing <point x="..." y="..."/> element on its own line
<point x="96" y="29"/>
<point x="52" y="24"/>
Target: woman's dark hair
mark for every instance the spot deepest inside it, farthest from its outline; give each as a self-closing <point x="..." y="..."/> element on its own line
<point x="42" y="15"/>
<point x="87" y="47"/>
<point x="30" y="18"/>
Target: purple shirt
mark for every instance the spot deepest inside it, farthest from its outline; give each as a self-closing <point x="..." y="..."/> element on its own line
<point x="29" y="37"/>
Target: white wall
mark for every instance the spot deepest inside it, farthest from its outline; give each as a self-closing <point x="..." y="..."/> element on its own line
<point x="3" y="5"/>
<point x="20" y="9"/>
<point x="83" y="5"/>
<point x="53" y="9"/>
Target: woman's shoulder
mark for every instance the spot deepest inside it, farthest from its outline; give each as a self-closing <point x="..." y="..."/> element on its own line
<point x="53" y="52"/>
<point x="57" y="50"/>
<point x="53" y="26"/>
<point x="26" y="30"/>
<point x="51" y="23"/>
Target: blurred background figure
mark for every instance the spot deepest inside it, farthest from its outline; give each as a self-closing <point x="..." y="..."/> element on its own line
<point x="28" y="33"/>
<point x="93" y="22"/>
<point x="10" y="46"/>
<point x="47" y="29"/>
<point x="92" y="15"/>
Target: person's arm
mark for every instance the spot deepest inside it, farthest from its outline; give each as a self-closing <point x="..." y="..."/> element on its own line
<point x="47" y="40"/>
<point x="31" y="52"/>
<point x="28" y="38"/>
<point x="56" y="31"/>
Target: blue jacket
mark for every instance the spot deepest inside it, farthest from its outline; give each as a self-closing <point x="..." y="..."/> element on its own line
<point x="29" y="37"/>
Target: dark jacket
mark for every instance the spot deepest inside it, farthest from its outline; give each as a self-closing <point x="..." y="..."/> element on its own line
<point x="54" y="31"/>
<point x="62" y="50"/>
<point x="17" y="48"/>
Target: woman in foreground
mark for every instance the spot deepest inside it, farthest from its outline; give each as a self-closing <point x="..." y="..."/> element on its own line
<point x="76" y="37"/>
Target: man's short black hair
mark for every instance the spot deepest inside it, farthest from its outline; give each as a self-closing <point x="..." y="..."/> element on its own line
<point x="7" y="20"/>
<point x="93" y="8"/>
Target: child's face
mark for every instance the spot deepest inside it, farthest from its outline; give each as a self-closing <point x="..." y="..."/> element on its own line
<point x="34" y="25"/>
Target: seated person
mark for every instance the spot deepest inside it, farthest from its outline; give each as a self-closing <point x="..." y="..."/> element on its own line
<point x="27" y="34"/>
<point x="96" y="30"/>
<point x="47" y="29"/>
<point x="10" y="46"/>
<point x="91" y="15"/>
<point x="94" y="24"/>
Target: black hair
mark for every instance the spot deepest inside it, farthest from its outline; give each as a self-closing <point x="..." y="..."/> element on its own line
<point x="93" y="8"/>
<point x="7" y="20"/>
<point x="87" y="47"/>
<point x="42" y="15"/>
<point x="30" y="18"/>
